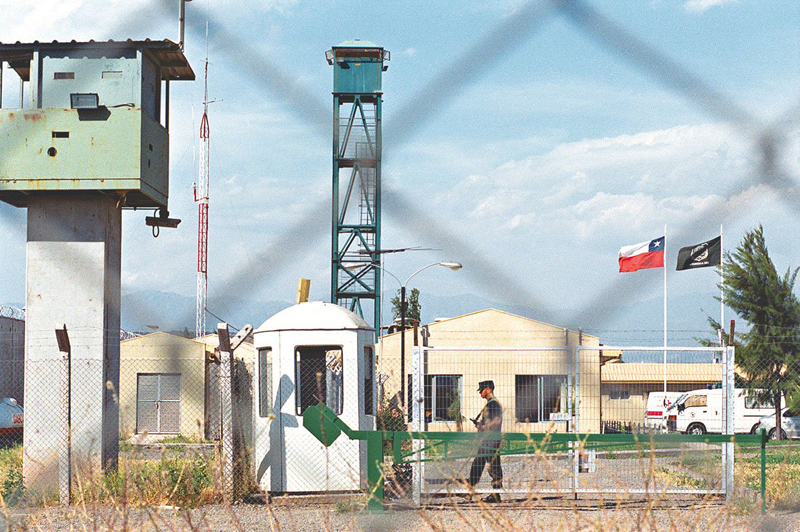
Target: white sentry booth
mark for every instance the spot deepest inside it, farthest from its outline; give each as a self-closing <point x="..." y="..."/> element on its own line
<point x="310" y="352"/>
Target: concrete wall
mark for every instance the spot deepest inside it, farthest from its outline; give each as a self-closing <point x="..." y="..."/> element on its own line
<point x="12" y="358"/>
<point x="493" y="328"/>
<point x="164" y="353"/>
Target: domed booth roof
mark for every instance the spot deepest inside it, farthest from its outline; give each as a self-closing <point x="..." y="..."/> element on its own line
<point x="314" y="316"/>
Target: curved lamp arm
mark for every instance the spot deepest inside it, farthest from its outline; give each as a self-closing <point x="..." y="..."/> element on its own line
<point x="455" y="266"/>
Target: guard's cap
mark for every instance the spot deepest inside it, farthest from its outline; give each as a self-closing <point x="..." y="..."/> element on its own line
<point x="485" y="384"/>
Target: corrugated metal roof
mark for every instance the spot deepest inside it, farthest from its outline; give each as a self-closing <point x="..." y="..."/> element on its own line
<point x="167" y="54"/>
<point x="647" y="372"/>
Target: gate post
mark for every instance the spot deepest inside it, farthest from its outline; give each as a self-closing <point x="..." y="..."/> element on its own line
<point x="576" y="359"/>
<point x="418" y="417"/>
<point x="730" y="420"/>
<point x="226" y="408"/>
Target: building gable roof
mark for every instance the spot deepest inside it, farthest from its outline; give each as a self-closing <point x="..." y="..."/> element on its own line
<point x="486" y="315"/>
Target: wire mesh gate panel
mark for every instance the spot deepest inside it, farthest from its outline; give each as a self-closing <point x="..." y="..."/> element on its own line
<point x="561" y="389"/>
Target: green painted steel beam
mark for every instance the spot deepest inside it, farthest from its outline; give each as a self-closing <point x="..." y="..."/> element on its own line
<point x="357" y="144"/>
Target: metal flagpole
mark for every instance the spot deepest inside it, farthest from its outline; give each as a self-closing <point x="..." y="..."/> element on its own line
<point x="665" y="308"/>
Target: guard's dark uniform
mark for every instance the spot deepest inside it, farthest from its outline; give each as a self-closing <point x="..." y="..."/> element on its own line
<point x="488" y="450"/>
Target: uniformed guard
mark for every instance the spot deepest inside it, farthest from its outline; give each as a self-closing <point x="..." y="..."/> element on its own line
<point x="490" y="423"/>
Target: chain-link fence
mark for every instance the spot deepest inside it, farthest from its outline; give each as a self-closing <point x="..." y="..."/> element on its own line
<point x="172" y="395"/>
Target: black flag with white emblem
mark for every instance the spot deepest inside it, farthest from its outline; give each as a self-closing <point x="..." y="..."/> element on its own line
<point x="700" y="255"/>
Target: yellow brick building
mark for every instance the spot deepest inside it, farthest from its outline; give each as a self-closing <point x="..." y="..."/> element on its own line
<point x="531" y="384"/>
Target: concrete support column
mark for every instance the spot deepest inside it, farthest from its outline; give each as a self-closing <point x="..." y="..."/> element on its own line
<point x="73" y="278"/>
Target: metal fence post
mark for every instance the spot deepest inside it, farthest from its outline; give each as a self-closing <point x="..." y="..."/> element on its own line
<point x="64" y="451"/>
<point x="226" y="410"/>
<point x="576" y="425"/>
<point x="418" y="417"/>
<point x="763" y="471"/>
<point x="730" y="428"/>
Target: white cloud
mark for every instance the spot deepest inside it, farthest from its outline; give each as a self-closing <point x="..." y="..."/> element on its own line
<point x="700" y="6"/>
<point x="604" y="191"/>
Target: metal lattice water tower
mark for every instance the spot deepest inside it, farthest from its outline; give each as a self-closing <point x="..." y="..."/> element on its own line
<point x="356" y="214"/>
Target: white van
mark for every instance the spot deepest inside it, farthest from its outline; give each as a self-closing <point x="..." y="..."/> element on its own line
<point x="700" y="411"/>
<point x="657" y="404"/>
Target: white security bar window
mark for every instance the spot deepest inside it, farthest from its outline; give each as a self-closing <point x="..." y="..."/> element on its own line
<point x="619" y="395"/>
<point x="369" y="381"/>
<point x="158" y="403"/>
<point x="264" y="381"/>
<point x="538" y="396"/>
<point x="442" y="396"/>
<point x="319" y="377"/>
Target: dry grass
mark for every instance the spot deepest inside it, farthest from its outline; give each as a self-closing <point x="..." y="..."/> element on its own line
<point x="181" y="493"/>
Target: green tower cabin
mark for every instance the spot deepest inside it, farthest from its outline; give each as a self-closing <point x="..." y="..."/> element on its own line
<point x="88" y="137"/>
<point x="356" y="214"/>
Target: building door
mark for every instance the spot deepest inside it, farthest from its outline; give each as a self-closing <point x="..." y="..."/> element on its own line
<point x="158" y="403"/>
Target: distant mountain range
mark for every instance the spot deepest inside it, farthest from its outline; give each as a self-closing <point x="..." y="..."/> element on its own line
<point x="639" y="322"/>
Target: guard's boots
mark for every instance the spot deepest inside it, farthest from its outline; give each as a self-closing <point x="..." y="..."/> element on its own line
<point x="494" y="497"/>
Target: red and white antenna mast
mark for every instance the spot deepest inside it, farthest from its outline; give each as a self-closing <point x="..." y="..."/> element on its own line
<point x="201" y="197"/>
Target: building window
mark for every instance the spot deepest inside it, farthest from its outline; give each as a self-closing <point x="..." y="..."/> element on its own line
<point x="158" y="403"/>
<point x="369" y="381"/>
<point x="619" y="395"/>
<point x="319" y="377"/>
<point x="538" y="396"/>
<point x="442" y="397"/>
<point x="264" y="381"/>
<point x="63" y="75"/>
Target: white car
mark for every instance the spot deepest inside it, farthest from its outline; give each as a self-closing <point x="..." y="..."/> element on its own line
<point x="11" y="418"/>
<point x="790" y="425"/>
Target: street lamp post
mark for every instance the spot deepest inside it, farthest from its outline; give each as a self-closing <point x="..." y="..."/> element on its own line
<point x="454" y="266"/>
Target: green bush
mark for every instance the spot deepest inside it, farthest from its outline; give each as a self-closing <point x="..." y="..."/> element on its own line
<point x="390" y="417"/>
<point x="11" y="485"/>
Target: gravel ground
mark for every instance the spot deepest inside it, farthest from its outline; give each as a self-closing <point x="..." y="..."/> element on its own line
<point x="303" y="516"/>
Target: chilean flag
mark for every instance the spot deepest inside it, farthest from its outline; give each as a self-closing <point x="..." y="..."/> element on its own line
<point x="643" y="255"/>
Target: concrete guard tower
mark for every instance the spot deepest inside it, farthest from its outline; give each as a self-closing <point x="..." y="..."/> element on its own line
<point x="90" y="143"/>
<point x="356" y="215"/>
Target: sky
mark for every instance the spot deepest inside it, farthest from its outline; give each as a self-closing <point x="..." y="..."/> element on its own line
<point x="528" y="142"/>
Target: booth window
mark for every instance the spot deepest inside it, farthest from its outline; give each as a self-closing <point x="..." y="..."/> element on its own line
<point x="442" y="397"/>
<point x="264" y="381"/>
<point x="538" y="396"/>
<point x="369" y="381"/>
<point x="319" y="377"/>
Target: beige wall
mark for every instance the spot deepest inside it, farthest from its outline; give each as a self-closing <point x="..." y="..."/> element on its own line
<point x="493" y="328"/>
<point x="164" y="353"/>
